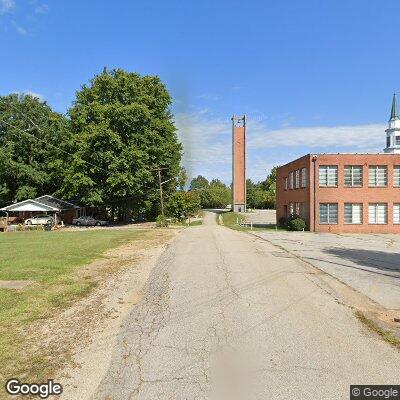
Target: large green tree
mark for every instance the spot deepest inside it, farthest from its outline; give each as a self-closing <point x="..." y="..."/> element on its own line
<point x="122" y="131"/>
<point x="32" y="138"/>
<point x="182" y="205"/>
<point x="262" y="194"/>
<point x="213" y="194"/>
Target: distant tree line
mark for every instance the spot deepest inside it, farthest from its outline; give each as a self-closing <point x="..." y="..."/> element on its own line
<point x="105" y="151"/>
<point x="216" y="194"/>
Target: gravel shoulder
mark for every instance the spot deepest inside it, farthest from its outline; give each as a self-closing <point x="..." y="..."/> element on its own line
<point x="85" y="334"/>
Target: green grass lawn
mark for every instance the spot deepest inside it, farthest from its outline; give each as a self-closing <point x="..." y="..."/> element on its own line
<point x="229" y="220"/>
<point x="50" y="259"/>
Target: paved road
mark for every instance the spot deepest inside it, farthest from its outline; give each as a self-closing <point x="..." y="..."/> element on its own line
<point x="230" y="316"/>
<point x="370" y="263"/>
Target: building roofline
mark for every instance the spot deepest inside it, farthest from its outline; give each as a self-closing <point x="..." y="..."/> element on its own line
<point x="57" y="199"/>
<point x="339" y="154"/>
<point x="49" y="208"/>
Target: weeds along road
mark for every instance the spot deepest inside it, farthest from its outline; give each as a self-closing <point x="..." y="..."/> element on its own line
<point x="229" y="316"/>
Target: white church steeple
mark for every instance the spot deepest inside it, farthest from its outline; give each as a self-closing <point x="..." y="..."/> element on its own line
<point x="393" y="131"/>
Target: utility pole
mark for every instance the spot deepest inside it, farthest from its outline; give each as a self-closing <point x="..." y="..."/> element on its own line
<point x="161" y="192"/>
<point x="158" y="169"/>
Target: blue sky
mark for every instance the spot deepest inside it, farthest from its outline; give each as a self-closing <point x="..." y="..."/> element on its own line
<point x="312" y="76"/>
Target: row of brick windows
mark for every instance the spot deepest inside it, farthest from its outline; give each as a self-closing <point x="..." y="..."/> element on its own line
<point x="298" y="209"/>
<point x="353" y="213"/>
<point x="353" y="176"/>
<point x="296" y="180"/>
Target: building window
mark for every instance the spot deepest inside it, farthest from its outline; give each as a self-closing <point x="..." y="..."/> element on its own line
<point x="328" y="175"/>
<point x="353" y="175"/>
<point x="396" y="213"/>
<point x="297" y="179"/>
<point x="303" y="177"/>
<point x="388" y="141"/>
<point x="397" y="140"/>
<point x="353" y="213"/>
<point x="377" y="213"/>
<point x="396" y="175"/>
<point x="377" y="176"/>
<point x="328" y="213"/>
<point x="291" y="209"/>
<point x="297" y="208"/>
<point x="286" y="183"/>
<point x="303" y="211"/>
<point x="291" y="180"/>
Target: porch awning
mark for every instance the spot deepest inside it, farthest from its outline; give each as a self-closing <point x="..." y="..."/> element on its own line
<point x="30" y="205"/>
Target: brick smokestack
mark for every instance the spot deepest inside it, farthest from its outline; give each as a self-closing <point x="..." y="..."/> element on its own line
<point x="239" y="163"/>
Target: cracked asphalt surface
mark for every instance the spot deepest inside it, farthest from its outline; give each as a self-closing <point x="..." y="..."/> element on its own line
<point x="229" y="316"/>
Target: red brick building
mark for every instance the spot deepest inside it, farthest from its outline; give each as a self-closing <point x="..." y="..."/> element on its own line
<point x="345" y="192"/>
<point x="342" y="192"/>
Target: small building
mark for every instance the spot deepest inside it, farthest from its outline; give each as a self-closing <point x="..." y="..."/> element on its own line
<point x="345" y="192"/>
<point x="62" y="210"/>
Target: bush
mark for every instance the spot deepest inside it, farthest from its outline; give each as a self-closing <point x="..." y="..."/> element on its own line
<point x="161" y="221"/>
<point x="297" y="224"/>
<point x="182" y="205"/>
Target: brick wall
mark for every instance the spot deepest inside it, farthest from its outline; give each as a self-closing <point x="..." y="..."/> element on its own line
<point x="301" y="195"/>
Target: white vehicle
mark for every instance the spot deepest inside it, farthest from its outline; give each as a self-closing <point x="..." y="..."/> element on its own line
<point x="40" y="220"/>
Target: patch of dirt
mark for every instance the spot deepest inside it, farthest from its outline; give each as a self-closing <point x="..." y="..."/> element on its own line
<point x="18" y="285"/>
<point x="78" y="342"/>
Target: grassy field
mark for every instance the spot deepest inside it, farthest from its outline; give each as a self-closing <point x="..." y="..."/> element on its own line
<point x="229" y="220"/>
<point x="50" y="259"/>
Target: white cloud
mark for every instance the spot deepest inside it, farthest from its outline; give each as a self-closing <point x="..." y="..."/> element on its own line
<point x="361" y="138"/>
<point x="209" y="96"/>
<point x="6" y="6"/>
<point x="41" y="8"/>
<point x="33" y="94"/>
<point x="207" y="143"/>
<point x="20" y="30"/>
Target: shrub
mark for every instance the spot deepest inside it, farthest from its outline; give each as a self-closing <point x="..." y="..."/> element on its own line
<point x="161" y="221"/>
<point x="297" y="224"/>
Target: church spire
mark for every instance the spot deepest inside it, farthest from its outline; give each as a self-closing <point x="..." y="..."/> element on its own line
<point x="393" y="113"/>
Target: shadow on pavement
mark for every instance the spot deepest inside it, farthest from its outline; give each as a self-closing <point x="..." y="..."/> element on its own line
<point x="366" y="258"/>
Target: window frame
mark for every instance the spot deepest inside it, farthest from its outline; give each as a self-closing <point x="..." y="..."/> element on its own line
<point x="376" y="168"/>
<point x="291" y="181"/>
<point x="328" y="213"/>
<point x="386" y="214"/>
<point x="396" y="175"/>
<point x="328" y="167"/>
<point x="304" y="177"/>
<point x="396" y="205"/>
<point x="352" y="185"/>
<point x="297" y="179"/>
<point x="352" y="217"/>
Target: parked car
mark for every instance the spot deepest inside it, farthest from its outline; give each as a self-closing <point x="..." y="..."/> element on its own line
<point x="88" y="221"/>
<point x="40" y="220"/>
